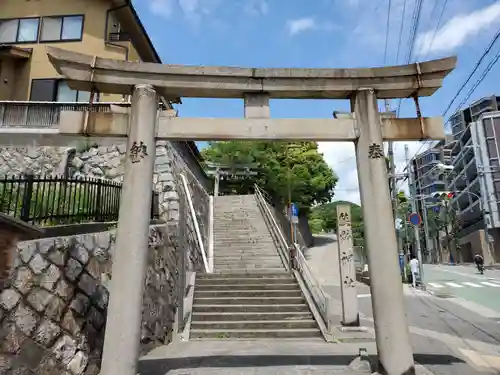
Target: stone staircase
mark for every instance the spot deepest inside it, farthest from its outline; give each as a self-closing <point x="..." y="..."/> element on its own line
<point x="250" y="295"/>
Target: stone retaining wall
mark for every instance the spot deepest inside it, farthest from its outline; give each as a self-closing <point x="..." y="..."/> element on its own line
<point x="53" y="309"/>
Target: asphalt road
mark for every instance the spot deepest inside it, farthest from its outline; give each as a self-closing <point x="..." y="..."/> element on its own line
<point x="450" y="335"/>
<point x="466" y="283"/>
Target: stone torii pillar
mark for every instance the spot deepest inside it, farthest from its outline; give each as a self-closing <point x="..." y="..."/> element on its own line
<point x="123" y="327"/>
<point x="391" y="329"/>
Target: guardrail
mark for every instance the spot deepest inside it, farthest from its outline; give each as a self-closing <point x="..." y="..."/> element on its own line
<point x="296" y="262"/>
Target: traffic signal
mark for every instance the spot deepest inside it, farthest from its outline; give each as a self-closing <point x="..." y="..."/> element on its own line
<point x="444" y="195"/>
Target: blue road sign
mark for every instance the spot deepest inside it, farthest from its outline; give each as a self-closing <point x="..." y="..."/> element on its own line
<point x="436" y="209"/>
<point x="295" y="210"/>
<point x="415" y="218"/>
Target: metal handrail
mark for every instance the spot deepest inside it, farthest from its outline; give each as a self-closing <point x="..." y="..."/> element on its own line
<point x="195" y="222"/>
<point x="313" y="286"/>
<point x="283" y="245"/>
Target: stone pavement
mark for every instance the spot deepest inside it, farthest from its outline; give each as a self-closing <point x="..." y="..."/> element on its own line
<point x="259" y="357"/>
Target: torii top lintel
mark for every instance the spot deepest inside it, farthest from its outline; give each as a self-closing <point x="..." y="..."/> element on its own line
<point x="85" y="72"/>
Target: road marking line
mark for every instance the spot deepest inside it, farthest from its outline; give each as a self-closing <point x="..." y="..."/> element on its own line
<point x="491" y="284"/>
<point x="435" y="285"/>
<point x="472" y="284"/>
<point x="455" y="285"/>
<point x="482" y="360"/>
<point x="364" y="295"/>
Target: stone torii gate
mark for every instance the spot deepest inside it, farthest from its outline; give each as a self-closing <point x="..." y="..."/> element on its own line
<point x="143" y="124"/>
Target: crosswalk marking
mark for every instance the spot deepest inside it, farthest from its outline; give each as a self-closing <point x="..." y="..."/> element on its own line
<point x="434" y="285"/>
<point x="472" y="284"/>
<point x="462" y="284"/>
<point x="491" y="284"/>
<point x="454" y="285"/>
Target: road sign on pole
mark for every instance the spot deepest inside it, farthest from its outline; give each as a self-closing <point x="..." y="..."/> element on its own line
<point x="415" y="219"/>
<point x="295" y="213"/>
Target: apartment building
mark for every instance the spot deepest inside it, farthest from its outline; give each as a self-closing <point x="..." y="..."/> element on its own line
<point x="106" y="28"/>
<point x="425" y="174"/>
<point x="476" y="177"/>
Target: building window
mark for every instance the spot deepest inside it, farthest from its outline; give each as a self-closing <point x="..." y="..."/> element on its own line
<point x="53" y="90"/>
<point x="66" y="28"/>
<point x="23" y="30"/>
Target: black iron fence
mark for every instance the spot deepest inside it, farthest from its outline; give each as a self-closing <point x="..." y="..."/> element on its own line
<point x="48" y="201"/>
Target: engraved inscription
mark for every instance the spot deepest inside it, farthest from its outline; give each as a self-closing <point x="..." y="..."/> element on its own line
<point x="375" y="151"/>
<point x="138" y="151"/>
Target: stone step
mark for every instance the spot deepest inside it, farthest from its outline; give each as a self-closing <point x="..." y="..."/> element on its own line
<point x="245" y="252"/>
<point x="239" y="294"/>
<point x="248" y="324"/>
<point x="248" y="261"/>
<point x="261" y="309"/>
<point x="256" y="286"/>
<point x="226" y="269"/>
<point x="282" y="274"/>
<point x="229" y="244"/>
<point x="250" y="316"/>
<point x="231" y="267"/>
<point x="235" y="253"/>
<point x="253" y="333"/>
<point x="244" y="281"/>
<point x="230" y="256"/>
<point x="248" y="300"/>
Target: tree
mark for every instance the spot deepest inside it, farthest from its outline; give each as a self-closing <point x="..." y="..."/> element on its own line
<point x="326" y="214"/>
<point x="297" y="167"/>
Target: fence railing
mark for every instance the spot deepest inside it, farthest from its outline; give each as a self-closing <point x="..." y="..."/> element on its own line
<point x="48" y="201"/>
<point x="43" y="114"/>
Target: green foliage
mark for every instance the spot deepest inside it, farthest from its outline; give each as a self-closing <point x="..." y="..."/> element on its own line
<point x="297" y="167"/>
<point x="326" y="214"/>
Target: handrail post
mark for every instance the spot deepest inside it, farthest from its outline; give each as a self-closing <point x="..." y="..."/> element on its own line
<point x="27" y="195"/>
<point x="211" y="233"/>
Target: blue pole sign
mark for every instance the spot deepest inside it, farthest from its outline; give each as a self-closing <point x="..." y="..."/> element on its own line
<point x="415" y="218"/>
<point x="295" y="212"/>
<point x="436" y="209"/>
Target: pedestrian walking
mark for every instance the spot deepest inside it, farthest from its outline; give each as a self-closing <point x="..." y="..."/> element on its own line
<point x="414" y="270"/>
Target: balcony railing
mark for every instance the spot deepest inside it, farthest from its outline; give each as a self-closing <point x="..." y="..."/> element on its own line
<point x="119" y="37"/>
<point x="44" y="114"/>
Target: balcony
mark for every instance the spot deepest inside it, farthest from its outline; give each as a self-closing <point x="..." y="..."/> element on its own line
<point x="44" y="115"/>
<point x="119" y="37"/>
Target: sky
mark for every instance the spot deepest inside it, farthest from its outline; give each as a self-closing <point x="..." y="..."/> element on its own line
<point x="325" y="34"/>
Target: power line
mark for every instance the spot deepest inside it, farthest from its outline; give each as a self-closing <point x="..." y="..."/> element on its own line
<point x="478" y="82"/>
<point x="401" y="30"/>
<point x="436" y="29"/>
<point x="411" y="38"/>
<point x="476" y="67"/>
<point x="387" y="30"/>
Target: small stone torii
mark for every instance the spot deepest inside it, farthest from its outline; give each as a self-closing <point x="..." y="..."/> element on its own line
<point x="142" y="124"/>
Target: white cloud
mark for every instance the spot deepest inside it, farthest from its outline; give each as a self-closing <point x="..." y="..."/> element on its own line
<point x="340" y="156"/>
<point x="459" y="30"/>
<point x="163" y="8"/>
<point x="189" y="7"/>
<point x="300" y="25"/>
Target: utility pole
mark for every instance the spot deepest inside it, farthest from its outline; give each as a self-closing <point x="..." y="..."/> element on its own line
<point x="392" y="173"/>
<point x="416" y="229"/>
